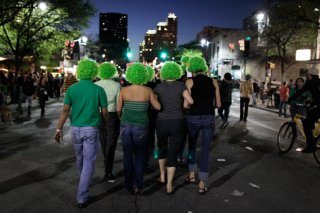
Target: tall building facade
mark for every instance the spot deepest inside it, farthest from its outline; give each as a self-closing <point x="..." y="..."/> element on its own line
<point x="161" y="40"/>
<point x="113" y="35"/>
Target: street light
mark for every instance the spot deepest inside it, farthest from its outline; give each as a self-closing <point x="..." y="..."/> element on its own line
<point x="43" y="6"/>
<point x="204" y="42"/>
<point x="260" y="17"/>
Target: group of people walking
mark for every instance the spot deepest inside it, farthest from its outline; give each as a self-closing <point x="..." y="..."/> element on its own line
<point x="101" y="111"/>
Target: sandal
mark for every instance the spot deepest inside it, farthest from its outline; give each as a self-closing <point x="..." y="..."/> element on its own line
<point x="160" y="182"/>
<point x="190" y="180"/>
<point x="202" y="189"/>
<point x="171" y="192"/>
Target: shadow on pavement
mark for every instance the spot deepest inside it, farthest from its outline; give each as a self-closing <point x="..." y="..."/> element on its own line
<point x="43" y="123"/>
<point x="36" y="175"/>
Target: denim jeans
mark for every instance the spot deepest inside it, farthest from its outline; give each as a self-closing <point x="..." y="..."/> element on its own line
<point x="134" y="139"/>
<point x="205" y="123"/>
<point x="283" y="105"/>
<point x="244" y="102"/>
<point x="226" y="108"/>
<point x="85" y="140"/>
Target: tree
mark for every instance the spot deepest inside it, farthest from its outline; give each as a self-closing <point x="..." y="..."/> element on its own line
<point x="33" y="26"/>
<point x="189" y="49"/>
<point x="288" y="32"/>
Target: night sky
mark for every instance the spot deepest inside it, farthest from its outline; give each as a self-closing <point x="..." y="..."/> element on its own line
<point x="192" y="15"/>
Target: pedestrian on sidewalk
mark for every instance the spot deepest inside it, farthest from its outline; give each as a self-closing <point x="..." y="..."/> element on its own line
<point x="226" y="88"/>
<point x="43" y="92"/>
<point x="205" y="94"/>
<point x="109" y="136"/>
<point x="246" y="90"/>
<point x="57" y="86"/>
<point x="255" y="93"/>
<point x="284" y="95"/>
<point x="132" y="107"/>
<point x="27" y="91"/>
<point x="173" y="95"/>
<point x="84" y="100"/>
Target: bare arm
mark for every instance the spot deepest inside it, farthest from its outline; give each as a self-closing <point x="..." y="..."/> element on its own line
<point x="189" y="84"/>
<point x="63" y="117"/>
<point x="120" y="103"/>
<point x="187" y="99"/>
<point x="154" y="101"/>
<point x="218" y="101"/>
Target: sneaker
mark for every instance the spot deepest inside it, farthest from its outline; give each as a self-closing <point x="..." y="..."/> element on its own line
<point x="110" y="178"/>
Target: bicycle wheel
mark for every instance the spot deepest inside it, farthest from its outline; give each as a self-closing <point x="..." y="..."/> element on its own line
<point x="286" y="136"/>
<point x="316" y="153"/>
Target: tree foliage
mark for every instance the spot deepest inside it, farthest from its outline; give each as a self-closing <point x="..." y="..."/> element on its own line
<point x="290" y="28"/>
<point x="29" y="29"/>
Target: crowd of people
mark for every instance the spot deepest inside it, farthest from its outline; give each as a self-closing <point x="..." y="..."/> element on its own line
<point x="175" y="107"/>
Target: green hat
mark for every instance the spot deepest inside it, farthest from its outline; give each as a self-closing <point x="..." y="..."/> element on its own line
<point x="107" y="70"/>
<point x="87" y="69"/>
<point x="197" y="64"/>
<point x="151" y="73"/>
<point x="137" y="74"/>
<point x="170" y="71"/>
<point x="184" y="62"/>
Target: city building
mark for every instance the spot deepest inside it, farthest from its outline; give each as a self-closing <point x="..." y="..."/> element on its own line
<point x="222" y="50"/>
<point x="113" y="36"/>
<point x="160" y="42"/>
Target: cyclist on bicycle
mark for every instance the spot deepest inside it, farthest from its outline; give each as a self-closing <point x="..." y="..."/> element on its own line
<point x="313" y="86"/>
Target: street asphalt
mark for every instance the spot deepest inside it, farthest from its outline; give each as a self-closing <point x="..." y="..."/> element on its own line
<point x="247" y="173"/>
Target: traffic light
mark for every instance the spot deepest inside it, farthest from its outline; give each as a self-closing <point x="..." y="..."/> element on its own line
<point x="163" y="55"/>
<point x="247" y="47"/>
<point x="129" y="55"/>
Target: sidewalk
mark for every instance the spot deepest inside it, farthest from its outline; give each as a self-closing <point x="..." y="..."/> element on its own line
<point x="265" y="108"/>
<point x="35" y="105"/>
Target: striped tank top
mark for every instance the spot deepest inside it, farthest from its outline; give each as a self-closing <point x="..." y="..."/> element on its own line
<point x="135" y="113"/>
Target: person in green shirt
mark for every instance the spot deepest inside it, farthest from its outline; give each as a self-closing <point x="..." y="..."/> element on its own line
<point x="85" y="100"/>
<point x="132" y="108"/>
<point x="109" y="136"/>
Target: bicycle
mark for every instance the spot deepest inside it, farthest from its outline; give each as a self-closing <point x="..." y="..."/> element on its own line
<point x="288" y="133"/>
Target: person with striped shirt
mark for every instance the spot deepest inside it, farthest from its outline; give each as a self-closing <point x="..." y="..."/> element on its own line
<point x="132" y="108"/>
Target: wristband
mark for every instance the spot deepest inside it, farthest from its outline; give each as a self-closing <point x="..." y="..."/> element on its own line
<point x="58" y="130"/>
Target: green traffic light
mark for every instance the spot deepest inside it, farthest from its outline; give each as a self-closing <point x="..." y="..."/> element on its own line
<point x="129" y="54"/>
<point x="163" y="55"/>
<point x="248" y="38"/>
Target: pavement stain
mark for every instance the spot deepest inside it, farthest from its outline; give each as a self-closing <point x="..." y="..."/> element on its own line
<point x="36" y="175"/>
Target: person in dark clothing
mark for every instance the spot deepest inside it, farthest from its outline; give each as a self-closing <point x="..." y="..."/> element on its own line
<point x="173" y="95"/>
<point x="27" y="91"/>
<point x="42" y="92"/>
<point x="205" y="94"/>
<point x="57" y="87"/>
<point x="313" y="86"/>
<point x="152" y="114"/>
<point x="226" y="87"/>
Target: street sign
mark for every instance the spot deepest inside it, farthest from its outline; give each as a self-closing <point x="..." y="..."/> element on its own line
<point x="241" y="44"/>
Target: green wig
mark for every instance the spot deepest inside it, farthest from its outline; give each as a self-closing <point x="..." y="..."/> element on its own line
<point x="150" y="71"/>
<point x="137" y="74"/>
<point x="87" y="69"/>
<point x="184" y="62"/>
<point x="170" y="71"/>
<point x="197" y="64"/>
<point x="107" y="70"/>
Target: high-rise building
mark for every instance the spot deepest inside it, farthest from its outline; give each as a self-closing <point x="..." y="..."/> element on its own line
<point x="113" y="34"/>
<point x="161" y="40"/>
